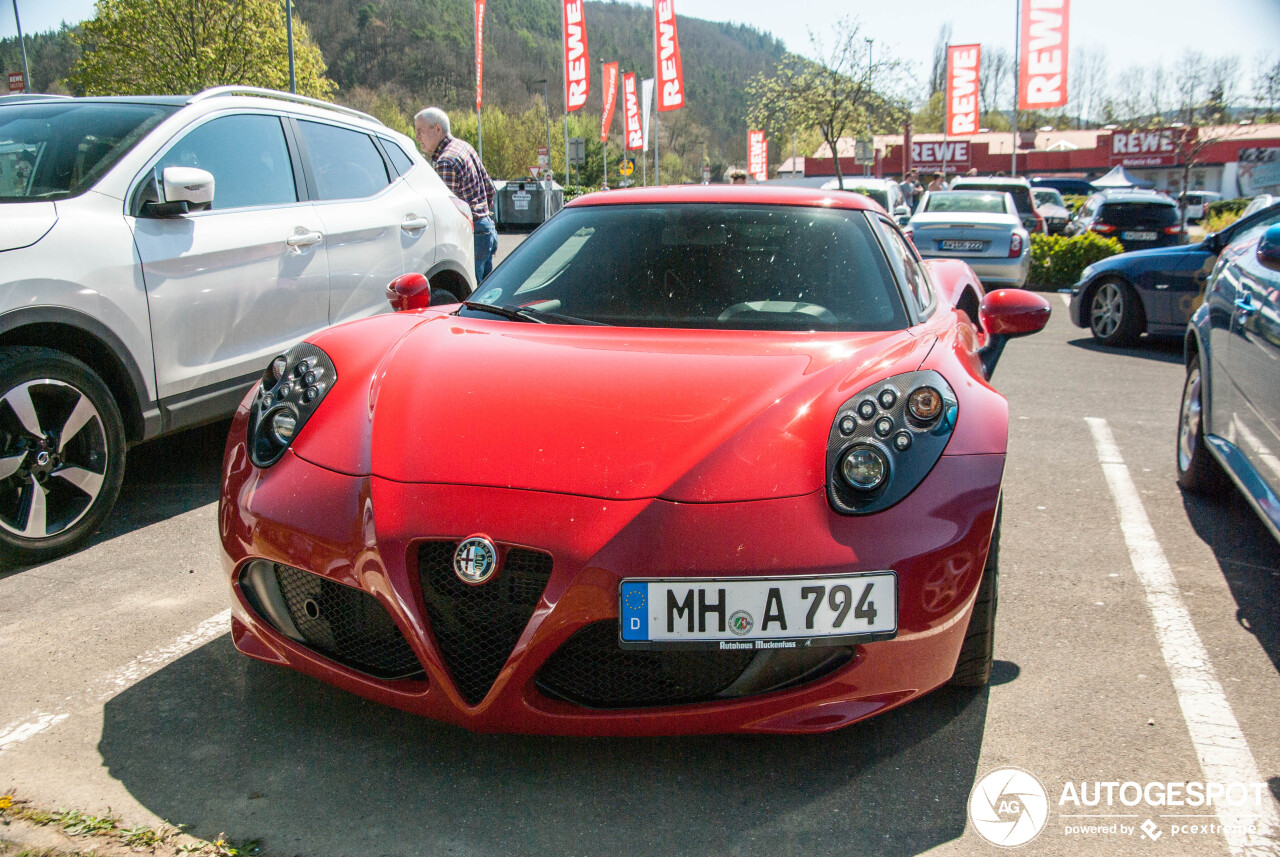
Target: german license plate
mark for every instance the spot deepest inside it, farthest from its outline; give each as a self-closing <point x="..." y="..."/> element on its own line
<point x="758" y="613"/>
<point x="1138" y="236"/>
<point x="960" y="245"/>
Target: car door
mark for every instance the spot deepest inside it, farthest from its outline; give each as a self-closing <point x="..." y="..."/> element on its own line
<point x="229" y="287"/>
<point x="1253" y="361"/>
<point x="378" y="226"/>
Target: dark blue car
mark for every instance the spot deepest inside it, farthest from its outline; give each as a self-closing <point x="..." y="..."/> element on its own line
<point x="1153" y="291"/>
<point x="1230" y="416"/>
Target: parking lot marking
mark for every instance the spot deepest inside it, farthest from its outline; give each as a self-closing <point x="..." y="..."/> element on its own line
<point x="117" y="681"/>
<point x="1219" y="742"/>
<point x="1066" y="299"/>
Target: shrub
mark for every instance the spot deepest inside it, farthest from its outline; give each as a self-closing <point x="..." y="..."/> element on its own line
<point x="1217" y="221"/>
<point x="1226" y="206"/>
<point x="1057" y="260"/>
<point x="1074" y="201"/>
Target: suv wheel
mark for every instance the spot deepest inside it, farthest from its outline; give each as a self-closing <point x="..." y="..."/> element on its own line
<point x="1114" y="314"/>
<point x="61" y="454"/>
<point x="1198" y="471"/>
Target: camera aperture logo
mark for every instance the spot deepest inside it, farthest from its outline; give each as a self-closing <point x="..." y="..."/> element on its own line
<point x="1008" y="807"/>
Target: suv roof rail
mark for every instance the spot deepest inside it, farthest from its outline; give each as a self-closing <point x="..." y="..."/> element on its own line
<point x="218" y="91"/>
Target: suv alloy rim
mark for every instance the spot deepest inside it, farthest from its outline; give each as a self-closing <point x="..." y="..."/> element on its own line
<point x="1189" y="425"/>
<point x="1106" y="309"/>
<point x="53" y="458"/>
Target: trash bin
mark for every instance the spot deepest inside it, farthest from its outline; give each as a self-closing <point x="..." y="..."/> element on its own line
<point x="523" y="202"/>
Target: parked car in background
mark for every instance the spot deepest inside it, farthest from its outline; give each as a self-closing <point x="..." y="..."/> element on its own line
<point x="1073" y="187"/>
<point x="1139" y="219"/>
<point x="1051" y="207"/>
<point x="1197" y="203"/>
<point x="1018" y="188"/>
<point x="1259" y="202"/>
<point x="1229" y="423"/>
<point x="981" y="227"/>
<point x="626" y="504"/>
<point x="886" y="192"/>
<point x="156" y="252"/>
<point x="1154" y="291"/>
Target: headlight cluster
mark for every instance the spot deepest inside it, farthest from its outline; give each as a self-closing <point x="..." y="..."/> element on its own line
<point x="292" y="388"/>
<point x="886" y="439"/>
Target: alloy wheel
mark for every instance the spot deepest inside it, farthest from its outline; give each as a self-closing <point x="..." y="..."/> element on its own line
<point x="1106" y="310"/>
<point x="1189" y="423"/>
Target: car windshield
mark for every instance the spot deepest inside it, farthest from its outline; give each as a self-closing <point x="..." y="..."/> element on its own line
<point x="747" y="267"/>
<point x="960" y="200"/>
<point x="1139" y="213"/>
<point x="59" y="150"/>
<point x="1046" y="196"/>
<point x="1021" y="193"/>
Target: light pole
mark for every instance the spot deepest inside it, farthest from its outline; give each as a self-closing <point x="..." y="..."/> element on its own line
<point x="546" y="110"/>
<point x="26" y="73"/>
<point x="288" y="28"/>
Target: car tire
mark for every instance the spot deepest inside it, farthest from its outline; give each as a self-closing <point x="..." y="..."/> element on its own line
<point x="973" y="667"/>
<point x="1198" y="471"/>
<point x="1115" y="313"/>
<point x="55" y="490"/>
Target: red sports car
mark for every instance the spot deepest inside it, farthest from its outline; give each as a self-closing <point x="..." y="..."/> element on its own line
<point x="690" y="460"/>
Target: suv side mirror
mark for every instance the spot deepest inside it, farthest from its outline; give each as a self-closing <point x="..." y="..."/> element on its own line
<point x="185" y="189"/>
<point x="1269" y="248"/>
<point x="902" y="214"/>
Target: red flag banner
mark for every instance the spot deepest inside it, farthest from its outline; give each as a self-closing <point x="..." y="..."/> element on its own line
<point x="610" y="99"/>
<point x="631" y="113"/>
<point x="479" y="53"/>
<point x="576" y="66"/>
<point x="757" y="155"/>
<point x="670" y="71"/>
<point x="1042" y="54"/>
<point x="963" y="62"/>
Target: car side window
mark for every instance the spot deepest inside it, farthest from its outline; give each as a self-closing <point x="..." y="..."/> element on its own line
<point x="346" y="163"/>
<point x="247" y="157"/>
<point x="904" y="258"/>
<point x="1255" y="229"/>
<point x="402" y="162"/>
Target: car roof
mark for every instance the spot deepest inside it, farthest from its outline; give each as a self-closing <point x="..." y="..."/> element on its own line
<point x="865" y="181"/>
<point x="166" y="100"/>
<point x="1126" y="195"/>
<point x="728" y="194"/>
<point x="1005" y="180"/>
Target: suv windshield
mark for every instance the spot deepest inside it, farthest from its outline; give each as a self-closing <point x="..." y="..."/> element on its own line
<point x="1139" y="213"/>
<point x="756" y="267"/>
<point x="55" y="151"/>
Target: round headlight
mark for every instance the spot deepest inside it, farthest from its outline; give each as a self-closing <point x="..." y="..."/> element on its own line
<point x="283" y="424"/>
<point x="274" y="372"/>
<point x="864" y="468"/>
<point x="925" y="404"/>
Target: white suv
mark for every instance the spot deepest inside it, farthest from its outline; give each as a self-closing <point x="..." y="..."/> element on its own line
<point x="157" y="252"/>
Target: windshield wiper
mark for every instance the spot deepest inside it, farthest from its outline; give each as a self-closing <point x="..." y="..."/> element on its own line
<point x="529" y="313"/>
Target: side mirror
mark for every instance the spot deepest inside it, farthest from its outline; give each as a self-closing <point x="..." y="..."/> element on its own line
<point x="185" y="189"/>
<point x="1006" y="314"/>
<point x="409" y="291"/>
<point x="902" y="214"/>
<point x="1269" y="248"/>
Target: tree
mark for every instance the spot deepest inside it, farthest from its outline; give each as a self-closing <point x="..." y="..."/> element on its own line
<point x="846" y="90"/>
<point x="174" y="47"/>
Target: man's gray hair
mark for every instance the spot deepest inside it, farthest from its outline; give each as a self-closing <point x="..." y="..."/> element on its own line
<point x="433" y="116"/>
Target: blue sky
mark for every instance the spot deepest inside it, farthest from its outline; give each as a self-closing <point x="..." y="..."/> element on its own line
<point x="1132" y="33"/>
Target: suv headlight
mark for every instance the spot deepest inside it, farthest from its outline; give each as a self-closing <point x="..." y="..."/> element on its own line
<point x="292" y="387"/>
<point x="885" y="440"/>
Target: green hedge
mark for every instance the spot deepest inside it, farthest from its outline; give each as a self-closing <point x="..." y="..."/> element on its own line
<point x="1226" y="206"/>
<point x="1057" y="260"/>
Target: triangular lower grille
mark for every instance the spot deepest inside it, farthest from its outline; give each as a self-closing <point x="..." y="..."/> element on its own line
<point x="476" y="627"/>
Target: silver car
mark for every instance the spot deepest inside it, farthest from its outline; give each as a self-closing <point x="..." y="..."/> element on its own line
<point x="157" y="252"/>
<point x="982" y="228"/>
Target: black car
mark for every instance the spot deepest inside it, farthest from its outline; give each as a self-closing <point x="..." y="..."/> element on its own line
<point x="1074" y="187"/>
<point x="1140" y="219"/>
<point x="1229" y="423"/>
<point x="1154" y="291"/>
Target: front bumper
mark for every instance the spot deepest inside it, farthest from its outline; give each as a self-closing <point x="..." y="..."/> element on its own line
<point x="366" y="533"/>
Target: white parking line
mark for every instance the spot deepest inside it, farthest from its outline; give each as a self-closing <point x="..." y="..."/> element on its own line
<point x="1220" y="744"/>
<point x="117" y="681"/>
<point x="1066" y="299"/>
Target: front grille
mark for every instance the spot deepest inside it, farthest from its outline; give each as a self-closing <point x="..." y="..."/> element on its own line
<point x="347" y="625"/>
<point x="476" y="627"/>
<point x="591" y="670"/>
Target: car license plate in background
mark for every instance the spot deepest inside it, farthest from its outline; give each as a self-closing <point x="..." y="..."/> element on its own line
<point x="1138" y="236"/>
<point x="758" y="613"/>
<point x="960" y="245"/>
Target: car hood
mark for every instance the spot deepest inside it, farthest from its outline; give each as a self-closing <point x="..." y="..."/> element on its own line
<point x="1156" y="259"/>
<point x="618" y="413"/>
<point x="24" y="223"/>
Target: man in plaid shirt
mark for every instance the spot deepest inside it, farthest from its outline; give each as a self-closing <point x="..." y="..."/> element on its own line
<point x="460" y="168"/>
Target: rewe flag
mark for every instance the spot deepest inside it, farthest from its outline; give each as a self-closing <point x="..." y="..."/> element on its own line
<point x="479" y="53"/>
<point x="757" y="155"/>
<point x="610" y="99"/>
<point x="633" y="138"/>
<point x="1042" y="54"/>
<point x="576" y="66"/>
<point x="963" y="62"/>
<point x="667" y="56"/>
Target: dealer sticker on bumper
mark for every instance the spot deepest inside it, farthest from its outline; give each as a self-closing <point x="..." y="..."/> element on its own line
<point x="758" y="612"/>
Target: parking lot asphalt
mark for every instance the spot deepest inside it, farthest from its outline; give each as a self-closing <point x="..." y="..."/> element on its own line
<point x="123" y="691"/>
